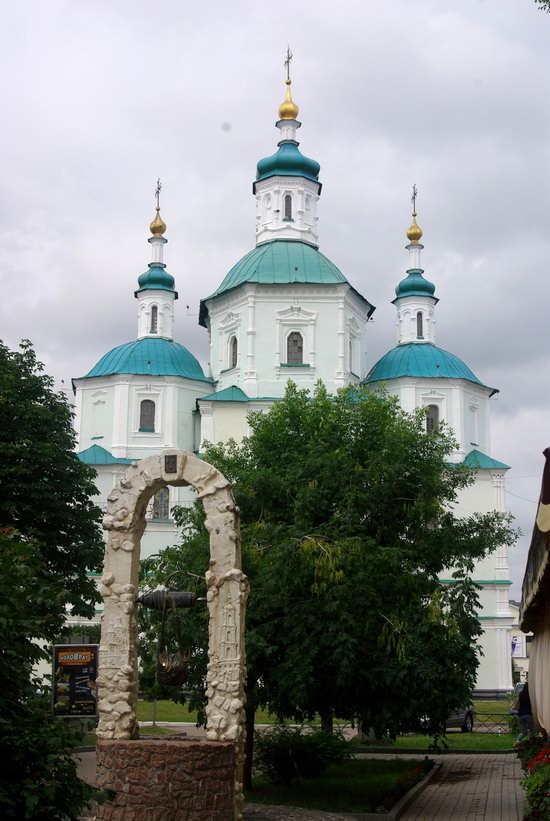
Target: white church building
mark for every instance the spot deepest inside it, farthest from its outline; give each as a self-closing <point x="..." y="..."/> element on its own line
<point x="285" y="311"/>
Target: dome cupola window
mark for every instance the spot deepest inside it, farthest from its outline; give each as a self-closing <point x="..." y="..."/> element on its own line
<point x="432" y="419"/>
<point x="419" y="325"/>
<point x="233" y="352"/>
<point x="154" y="319"/>
<point x="288" y="208"/>
<point x="147" y="416"/>
<point x="295" y="349"/>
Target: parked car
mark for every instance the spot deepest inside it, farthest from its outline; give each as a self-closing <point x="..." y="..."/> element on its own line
<point x="462" y="719"/>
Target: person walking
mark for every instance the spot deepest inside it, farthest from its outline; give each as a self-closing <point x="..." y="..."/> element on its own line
<point x="525" y="716"/>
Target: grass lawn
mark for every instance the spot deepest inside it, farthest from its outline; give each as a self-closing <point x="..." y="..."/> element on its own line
<point x="169" y="711"/>
<point x="458" y="741"/>
<point x="355" y="786"/>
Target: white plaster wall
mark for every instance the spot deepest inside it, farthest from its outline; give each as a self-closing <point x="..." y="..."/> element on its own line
<point x="454" y="397"/>
<point x="326" y="316"/>
<point x="407" y="310"/>
<point x="88" y="396"/>
<point x="230" y="421"/>
<point x="270" y="209"/>
<point x="164" y="302"/>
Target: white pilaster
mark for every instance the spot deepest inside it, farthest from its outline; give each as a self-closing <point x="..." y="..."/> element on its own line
<point x="170" y="409"/>
<point x="340" y="375"/>
<point x="120" y="417"/>
<point x="250" y="382"/>
<point x="207" y="423"/>
<point x="458" y="418"/>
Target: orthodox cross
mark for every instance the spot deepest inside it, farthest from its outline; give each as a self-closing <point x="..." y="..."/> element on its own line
<point x="157" y="192"/>
<point x="413" y="198"/>
<point x="287" y="62"/>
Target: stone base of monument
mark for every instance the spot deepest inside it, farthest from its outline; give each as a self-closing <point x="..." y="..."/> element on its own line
<point x="160" y="779"/>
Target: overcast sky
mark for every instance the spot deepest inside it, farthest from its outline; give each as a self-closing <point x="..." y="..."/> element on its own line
<point x="100" y="98"/>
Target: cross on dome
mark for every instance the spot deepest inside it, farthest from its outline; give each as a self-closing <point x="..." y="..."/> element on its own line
<point x="288" y="110"/>
<point x="158" y="226"/>
<point x="414" y="231"/>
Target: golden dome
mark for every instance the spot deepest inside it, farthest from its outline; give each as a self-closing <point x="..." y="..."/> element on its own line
<point x="158" y="226"/>
<point x="414" y="232"/>
<point x="288" y="110"/>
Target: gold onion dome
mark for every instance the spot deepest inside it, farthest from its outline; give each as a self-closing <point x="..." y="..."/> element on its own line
<point x="414" y="232"/>
<point x="288" y="110"/>
<point x="158" y="226"/>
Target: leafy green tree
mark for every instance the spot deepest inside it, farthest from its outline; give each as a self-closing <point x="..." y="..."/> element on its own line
<point x="544" y="5"/>
<point x="49" y="538"/>
<point x="45" y="490"/>
<point x="347" y="524"/>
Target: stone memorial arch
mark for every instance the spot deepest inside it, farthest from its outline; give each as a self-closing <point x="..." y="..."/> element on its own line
<point x="170" y="788"/>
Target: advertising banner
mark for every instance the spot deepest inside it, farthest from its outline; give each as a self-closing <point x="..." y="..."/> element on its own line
<point x="518" y="647"/>
<point x="73" y="682"/>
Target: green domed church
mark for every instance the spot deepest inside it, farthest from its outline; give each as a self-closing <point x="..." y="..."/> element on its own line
<point x="285" y="311"/>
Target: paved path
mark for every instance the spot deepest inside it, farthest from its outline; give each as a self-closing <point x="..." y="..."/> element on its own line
<point x="471" y="788"/>
<point x="482" y="787"/>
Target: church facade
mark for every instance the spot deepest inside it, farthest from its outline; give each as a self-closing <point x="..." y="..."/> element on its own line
<point x="285" y="311"/>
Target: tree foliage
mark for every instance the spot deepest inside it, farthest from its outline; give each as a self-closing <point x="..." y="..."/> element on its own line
<point x="544" y="5"/>
<point x="45" y="490"/>
<point x="49" y="538"/>
<point x="347" y="525"/>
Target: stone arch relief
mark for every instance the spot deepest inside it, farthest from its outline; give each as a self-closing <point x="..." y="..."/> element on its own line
<point x="227" y="594"/>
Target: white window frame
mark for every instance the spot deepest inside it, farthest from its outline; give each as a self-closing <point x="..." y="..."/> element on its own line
<point x="229" y="326"/>
<point x="295" y="318"/>
<point x="156" y="395"/>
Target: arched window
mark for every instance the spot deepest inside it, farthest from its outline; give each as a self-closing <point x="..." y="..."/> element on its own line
<point x="233" y="352"/>
<point x="147" y="415"/>
<point x="161" y="504"/>
<point x="432" y="419"/>
<point x="295" y="349"/>
<point x="154" y="319"/>
<point x="288" y="207"/>
<point x="419" y="325"/>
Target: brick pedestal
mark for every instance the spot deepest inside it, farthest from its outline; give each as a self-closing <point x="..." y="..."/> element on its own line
<point x="176" y="779"/>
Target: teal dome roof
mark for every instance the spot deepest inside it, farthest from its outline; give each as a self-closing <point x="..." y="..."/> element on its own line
<point x="288" y="162"/>
<point x="421" y="360"/>
<point x="151" y="357"/>
<point x="414" y="284"/>
<point x="280" y="262"/>
<point x="156" y="278"/>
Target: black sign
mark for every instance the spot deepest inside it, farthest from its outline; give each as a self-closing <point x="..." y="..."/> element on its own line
<point x="74" y="680"/>
<point x="171" y="464"/>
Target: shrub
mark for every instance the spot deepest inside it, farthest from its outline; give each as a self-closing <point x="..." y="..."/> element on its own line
<point x="284" y="753"/>
<point x="529" y="748"/>
<point x="537" y="790"/>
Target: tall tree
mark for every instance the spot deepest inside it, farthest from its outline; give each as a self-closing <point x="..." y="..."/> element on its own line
<point x="49" y="539"/>
<point x="45" y="490"/>
<point x="347" y="524"/>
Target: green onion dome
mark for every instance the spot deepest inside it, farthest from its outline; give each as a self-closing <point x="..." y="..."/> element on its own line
<point x="288" y="162"/>
<point x="414" y="284"/>
<point x="152" y="357"/>
<point x="156" y="278"/>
